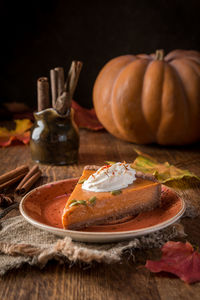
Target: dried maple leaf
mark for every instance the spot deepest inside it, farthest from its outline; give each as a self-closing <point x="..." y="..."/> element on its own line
<point x="179" y="259"/>
<point x="20" y="133"/>
<point x="85" y="118"/>
<point x="163" y="172"/>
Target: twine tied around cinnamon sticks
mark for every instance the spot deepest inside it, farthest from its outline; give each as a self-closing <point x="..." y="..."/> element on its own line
<point x="62" y="90"/>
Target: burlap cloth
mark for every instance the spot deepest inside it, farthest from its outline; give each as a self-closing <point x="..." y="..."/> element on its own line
<point x="22" y="243"/>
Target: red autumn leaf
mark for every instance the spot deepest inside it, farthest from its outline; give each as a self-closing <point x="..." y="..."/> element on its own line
<point x="179" y="259"/>
<point x="20" y="133"/>
<point x="85" y="118"/>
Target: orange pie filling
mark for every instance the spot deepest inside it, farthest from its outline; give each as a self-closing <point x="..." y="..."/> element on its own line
<point x="85" y="208"/>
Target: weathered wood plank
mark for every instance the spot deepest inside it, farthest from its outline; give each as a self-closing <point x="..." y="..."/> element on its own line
<point x="126" y="280"/>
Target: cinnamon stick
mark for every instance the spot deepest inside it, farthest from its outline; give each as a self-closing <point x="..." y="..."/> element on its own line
<point x="73" y="77"/>
<point x="29" y="183"/>
<point x="11" y="181"/>
<point x="14" y="173"/>
<point x="63" y="103"/>
<point x="32" y="171"/>
<point x="60" y="80"/>
<point x="43" y="93"/>
<point x="54" y="87"/>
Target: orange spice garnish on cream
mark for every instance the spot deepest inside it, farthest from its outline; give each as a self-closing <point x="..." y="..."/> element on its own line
<point x="110" y="178"/>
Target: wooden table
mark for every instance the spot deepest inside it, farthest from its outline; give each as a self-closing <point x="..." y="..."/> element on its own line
<point x="126" y="280"/>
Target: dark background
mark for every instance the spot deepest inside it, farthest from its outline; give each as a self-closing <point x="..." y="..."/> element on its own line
<point x="37" y="36"/>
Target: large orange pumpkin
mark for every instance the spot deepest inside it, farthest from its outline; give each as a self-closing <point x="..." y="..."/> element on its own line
<point x="151" y="98"/>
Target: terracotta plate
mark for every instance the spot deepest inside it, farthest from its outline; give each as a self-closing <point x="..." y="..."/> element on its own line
<point x="43" y="207"/>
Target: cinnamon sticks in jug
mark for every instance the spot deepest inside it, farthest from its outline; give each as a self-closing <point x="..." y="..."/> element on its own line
<point x="62" y="90"/>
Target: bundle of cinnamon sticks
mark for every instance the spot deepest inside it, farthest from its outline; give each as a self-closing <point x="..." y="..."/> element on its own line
<point x="26" y="177"/>
<point x="62" y="90"/>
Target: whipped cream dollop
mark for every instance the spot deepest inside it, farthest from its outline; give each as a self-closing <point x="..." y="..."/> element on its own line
<point x="110" y="178"/>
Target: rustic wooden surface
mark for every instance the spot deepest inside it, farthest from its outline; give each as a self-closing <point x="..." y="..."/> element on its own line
<point x="127" y="280"/>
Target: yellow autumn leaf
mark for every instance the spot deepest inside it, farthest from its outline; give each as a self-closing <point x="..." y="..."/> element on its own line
<point x="20" y="133"/>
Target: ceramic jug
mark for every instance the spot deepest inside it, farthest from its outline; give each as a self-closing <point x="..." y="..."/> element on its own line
<point x="54" y="138"/>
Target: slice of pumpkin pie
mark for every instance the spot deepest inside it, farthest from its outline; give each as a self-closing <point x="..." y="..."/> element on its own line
<point x="109" y="193"/>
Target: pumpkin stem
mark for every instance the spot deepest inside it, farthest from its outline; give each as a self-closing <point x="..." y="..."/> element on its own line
<point x="159" y="54"/>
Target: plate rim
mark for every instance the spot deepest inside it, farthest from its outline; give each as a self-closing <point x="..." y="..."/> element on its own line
<point x="136" y="232"/>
